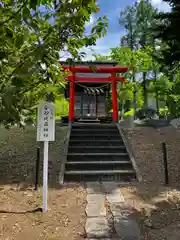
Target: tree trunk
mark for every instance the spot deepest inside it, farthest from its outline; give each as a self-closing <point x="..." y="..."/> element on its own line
<point x="145" y="90"/>
<point x="157" y="102"/>
<point x="122" y="110"/>
<point x="134" y="103"/>
<point x="157" y="95"/>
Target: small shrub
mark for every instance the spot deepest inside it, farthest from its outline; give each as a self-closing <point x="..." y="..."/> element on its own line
<point x="129" y="113"/>
<point x="61" y="108"/>
<point x="164" y="112"/>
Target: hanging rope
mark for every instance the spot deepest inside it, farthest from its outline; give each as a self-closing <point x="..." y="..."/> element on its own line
<point x="84" y="86"/>
<point x="93" y="90"/>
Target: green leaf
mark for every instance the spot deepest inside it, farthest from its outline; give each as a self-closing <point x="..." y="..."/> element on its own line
<point x="94" y="68"/>
<point x="9" y="32"/>
<point x="19" y="40"/>
<point x="26" y="13"/>
<point x="17" y="82"/>
<point x="33" y="4"/>
<point x="2" y="54"/>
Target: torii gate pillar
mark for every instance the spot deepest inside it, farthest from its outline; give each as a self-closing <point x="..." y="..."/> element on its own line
<point x="114" y="98"/>
<point x="72" y="98"/>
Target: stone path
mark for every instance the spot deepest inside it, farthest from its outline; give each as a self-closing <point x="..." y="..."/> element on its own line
<point x="108" y="216"/>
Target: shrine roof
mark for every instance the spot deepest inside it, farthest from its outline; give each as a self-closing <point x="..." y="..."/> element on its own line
<point x="91" y="63"/>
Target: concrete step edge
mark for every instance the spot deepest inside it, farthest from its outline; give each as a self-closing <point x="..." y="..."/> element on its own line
<point x="97" y="162"/>
<point x="97" y="154"/>
<point x="94" y="129"/>
<point x="95" y="135"/>
<point x="101" y="172"/>
<point x="96" y="140"/>
<point x="102" y="147"/>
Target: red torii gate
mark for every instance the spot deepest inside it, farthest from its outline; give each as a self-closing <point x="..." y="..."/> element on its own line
<point x="86" y="69"/>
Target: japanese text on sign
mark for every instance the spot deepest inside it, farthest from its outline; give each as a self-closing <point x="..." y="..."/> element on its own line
<point x="46" y="123"/>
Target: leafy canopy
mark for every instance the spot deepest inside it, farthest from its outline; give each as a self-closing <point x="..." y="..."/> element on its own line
<point x="33" y="33"/>
<point x="167" y="30"/>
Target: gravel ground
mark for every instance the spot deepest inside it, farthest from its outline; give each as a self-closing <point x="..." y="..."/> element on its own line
<point x="157" y="207"/>
<point x="18" y="155"/>
<point x="146" y="144"/>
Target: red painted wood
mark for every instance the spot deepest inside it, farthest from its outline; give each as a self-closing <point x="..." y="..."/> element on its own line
<point x="80" y="79"/>
<point x="72" y="98"/>
<point x="86" y="69"/>
<point x="114" y="98"/>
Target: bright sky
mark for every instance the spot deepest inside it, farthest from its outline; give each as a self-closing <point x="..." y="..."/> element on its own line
<point x="112" y="9"/>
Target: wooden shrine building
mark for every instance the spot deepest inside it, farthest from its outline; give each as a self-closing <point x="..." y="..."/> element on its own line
<point x="88" y="87"/>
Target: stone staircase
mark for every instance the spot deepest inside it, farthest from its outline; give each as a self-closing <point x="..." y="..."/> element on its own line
<point x="96" y="152"/>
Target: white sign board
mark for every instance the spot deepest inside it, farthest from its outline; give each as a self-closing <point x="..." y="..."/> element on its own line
<point x="46" y="122"/>
<point x="45" y="133"/>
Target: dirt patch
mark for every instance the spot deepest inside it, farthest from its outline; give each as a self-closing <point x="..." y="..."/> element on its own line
<point x="18" y="155"/>
<point x="64" y="220"/>
<point x="157" y="208"/>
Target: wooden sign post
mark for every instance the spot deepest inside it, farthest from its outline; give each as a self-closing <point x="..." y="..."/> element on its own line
<point x="45" y="133"/>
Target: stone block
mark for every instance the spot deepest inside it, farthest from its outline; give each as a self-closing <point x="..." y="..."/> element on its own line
<point x="116" y="209"/>
<point x="115" y="197"/>
<point x="94" y="188"/>
<point x="95" y="198"/>
<point x="98" y="228"/>
<point x="126" y="228"/>
<point x="96" y="209"/>
<point x="109" y="187"/>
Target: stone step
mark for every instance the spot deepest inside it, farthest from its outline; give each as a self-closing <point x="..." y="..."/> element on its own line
<point x="97" y="149"/>
<point x="86" y="137"/>
<point x="89" y="121"/>
<point x="94" y="146"/>
<point x="98" y="154"/>
<point x="97" y="133"/>
<point x="96" y="142"/>
<point x="101" y="172"/>
<point x="99" y="162"/>
<point x="95" y="158"/>
<point x="94" y="130"/>
<point x="103" y="165"/>
<point x="99" y="175"/>
<point x="94" y="126"/>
